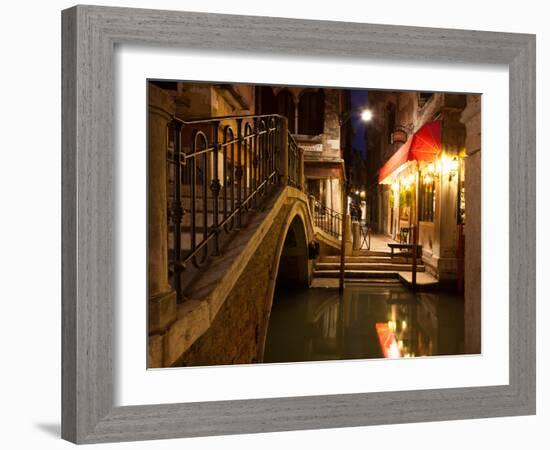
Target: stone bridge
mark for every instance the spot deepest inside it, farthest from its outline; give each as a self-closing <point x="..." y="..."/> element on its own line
<point x="225" y="316"/>
<point x="219" y="313"/>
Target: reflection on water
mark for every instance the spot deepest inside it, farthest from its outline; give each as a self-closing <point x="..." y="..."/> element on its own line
<point x="367" y="321"/>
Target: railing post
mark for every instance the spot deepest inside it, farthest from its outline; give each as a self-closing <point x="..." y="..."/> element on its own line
<point x="215" y="187"/>
<point x="254" y="167"/>
<point x="239" y="171"/>
<point x="176" y="211"/>
<point x="283" y="154"/>
<point x="301" y="175"/>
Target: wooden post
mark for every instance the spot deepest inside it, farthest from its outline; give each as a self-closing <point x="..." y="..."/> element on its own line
<point x="343" y="243"/>
<point x="415" y="251"/>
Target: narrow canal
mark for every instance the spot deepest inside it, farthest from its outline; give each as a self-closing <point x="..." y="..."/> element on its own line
<point x="366" y="321"/>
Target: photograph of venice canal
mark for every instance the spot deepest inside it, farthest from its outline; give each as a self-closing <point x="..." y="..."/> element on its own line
<point x="298" y="223"/>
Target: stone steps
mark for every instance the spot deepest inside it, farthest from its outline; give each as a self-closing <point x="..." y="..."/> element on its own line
<point x="379" y="266"/>
<point x="366" y="259"/>
<point x="423" y="280"/>
<point x="373" y="267"/>
<point x="334" y="282"/>
<point x="361" y="274"/>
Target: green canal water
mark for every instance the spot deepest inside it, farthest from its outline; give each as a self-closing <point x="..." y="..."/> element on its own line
<point x="366" y="321"/>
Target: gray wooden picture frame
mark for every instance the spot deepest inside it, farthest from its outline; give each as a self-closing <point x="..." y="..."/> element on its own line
<point x="90" y="34"/>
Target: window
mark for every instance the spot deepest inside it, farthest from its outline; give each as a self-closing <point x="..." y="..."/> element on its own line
<point x="311" y="113"/>
<point x="390" y="122"/>
<point x="285" y="107"/>
<point x="266" y="102"/>
<point x="426" y="197"/>
<point x="423" y="98"/>
<point x="314" y="188"/>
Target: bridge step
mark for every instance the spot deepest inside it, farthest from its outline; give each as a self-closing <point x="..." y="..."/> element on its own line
<point x="335" y="282"/>
<point x="367" y="259"/>
<point x="423" y="280"/>
<point x="369" y="266"/>
<point x="364" y="274"/>
<point x="366" y="254"/>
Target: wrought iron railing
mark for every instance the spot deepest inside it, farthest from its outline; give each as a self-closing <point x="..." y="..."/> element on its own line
<point x="218" y="169"/>
<point x="293" y="162"/>
<point x="366" y="231"/>
<point x="327" y="219"/>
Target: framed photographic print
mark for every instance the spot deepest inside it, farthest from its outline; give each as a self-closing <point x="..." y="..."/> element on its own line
<point x="268" y="230"/>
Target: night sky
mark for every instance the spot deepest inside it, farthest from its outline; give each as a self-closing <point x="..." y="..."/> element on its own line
<point x="359" y="101"/>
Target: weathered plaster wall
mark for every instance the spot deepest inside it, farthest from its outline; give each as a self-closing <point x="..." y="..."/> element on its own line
<point x="472" y="276"/>
<point x="200" y="100"/>
<point x="331" y="129"/>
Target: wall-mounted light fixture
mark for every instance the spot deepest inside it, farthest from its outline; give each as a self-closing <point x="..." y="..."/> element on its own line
<point x="453" y="168"/>
<point x="447" y="165"/>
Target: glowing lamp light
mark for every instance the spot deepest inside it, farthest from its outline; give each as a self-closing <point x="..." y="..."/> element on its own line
<point x="450" y="166"/>
<point x="439" y="166"/>
<point x="366" y="115"/>
<point x="363" y="194"/>
<point x="454" y="165"/>
<point x="431" y="167"/>
<point x="408" y="181"/>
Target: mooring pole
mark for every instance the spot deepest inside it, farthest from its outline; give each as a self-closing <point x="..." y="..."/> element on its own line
<point x="343" y="247"/>
<point x="415" y="250"/>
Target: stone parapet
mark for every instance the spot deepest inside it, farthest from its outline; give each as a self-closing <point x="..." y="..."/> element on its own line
<point x="161" y="296"/>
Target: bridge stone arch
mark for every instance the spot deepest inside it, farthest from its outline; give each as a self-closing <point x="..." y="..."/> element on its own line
<point x="293" y="261"/>
<point x="292" y="264"/>
<point x="225" y="319"/>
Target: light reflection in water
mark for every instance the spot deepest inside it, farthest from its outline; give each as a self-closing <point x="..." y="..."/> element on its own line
<point x="368" y="321"/>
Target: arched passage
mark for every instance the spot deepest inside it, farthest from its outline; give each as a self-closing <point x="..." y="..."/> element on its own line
<point x="293" y="269"/>
<point x="293" y="263"/>
<point x="285" y="107"/>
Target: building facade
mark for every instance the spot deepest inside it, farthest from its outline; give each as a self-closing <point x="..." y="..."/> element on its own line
<point x="314" y="117"/>
<point x="315" y="123"/>
<point x="417" y="152"/>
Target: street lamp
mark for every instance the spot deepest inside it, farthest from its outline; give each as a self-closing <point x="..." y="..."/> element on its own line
<point x="366" y="115"/>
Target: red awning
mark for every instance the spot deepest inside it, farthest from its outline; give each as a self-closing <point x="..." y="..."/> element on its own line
<point x="424" y="145"/>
